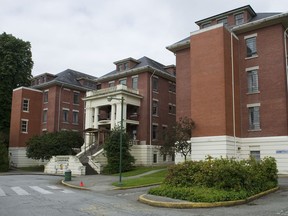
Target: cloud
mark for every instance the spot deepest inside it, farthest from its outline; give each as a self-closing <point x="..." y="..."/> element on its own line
<point x="90" y="35"/>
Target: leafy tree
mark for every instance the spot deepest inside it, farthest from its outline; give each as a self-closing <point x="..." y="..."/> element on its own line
<point x="15" y="71"/>
<point x="51" y="144"/>
<point x="4" y="160"/>
<point x="176" y="138"/>
<point x="112" y="152"/>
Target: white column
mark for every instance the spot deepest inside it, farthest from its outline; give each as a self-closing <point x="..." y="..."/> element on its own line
<point x="88" y="121"/>
<point x="113" y="116"/>
<point x="96" y="113"/>
<point x="118" y="114"/>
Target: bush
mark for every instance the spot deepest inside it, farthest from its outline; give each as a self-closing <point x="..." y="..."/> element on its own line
<point x="218" y="179"/>
<point x="4" y="159"/>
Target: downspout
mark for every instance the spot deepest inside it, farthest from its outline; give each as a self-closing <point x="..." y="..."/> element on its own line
<point x="150" y="125"/>
<point x="59" y="107"/>
<point x="233" y="93"/>
<point x="286" y="61"/>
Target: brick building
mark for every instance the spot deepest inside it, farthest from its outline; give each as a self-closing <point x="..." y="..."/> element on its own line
<point x="148" y="89"/>
<point x="232" y="81"/>
<point x="52" y="103"/>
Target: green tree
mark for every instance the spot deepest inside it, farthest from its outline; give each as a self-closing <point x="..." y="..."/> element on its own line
<point x="4" y="159"/>
<point x="51" y="144"/>
<point x="177" y="137"/>
<point x="15" y="71"/>
<point x="112" y="152"/>
<point x="183" y="132"/>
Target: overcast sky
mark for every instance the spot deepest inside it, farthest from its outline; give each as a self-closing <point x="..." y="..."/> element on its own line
<point x="89" y="35"/>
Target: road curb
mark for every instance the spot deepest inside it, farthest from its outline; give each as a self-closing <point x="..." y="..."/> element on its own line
<point x="74" y="186"/>
<point x="184" y="204"/>
<point x="133" y="187"/>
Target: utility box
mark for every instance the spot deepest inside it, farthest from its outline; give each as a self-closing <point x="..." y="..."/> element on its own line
<point x="67" y="175"/>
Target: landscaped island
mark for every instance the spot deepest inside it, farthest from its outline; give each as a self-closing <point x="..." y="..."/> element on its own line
<point x="217" y="180"/>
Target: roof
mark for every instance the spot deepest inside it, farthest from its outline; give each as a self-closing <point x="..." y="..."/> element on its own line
<point x="262" y="16"/>
<point x="144" y="62"/>
<point x="68" y="77"/>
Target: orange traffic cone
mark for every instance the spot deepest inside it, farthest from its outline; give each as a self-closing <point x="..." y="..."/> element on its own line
<point x="81" y="184"/>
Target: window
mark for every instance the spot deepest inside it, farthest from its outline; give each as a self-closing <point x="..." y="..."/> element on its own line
<point x="224" y="21"/>
<point x="164" y="157"/>
<point x="172" y="87"/>
<point x="252" y="81"/>
<point x="45" y="97"/>
<point x="155" y="108"/>
<point x="239" y="19"/>
<point x="155" y="84"/>
<point x="45" y="111"/>
<point x="254" y="118"/>
<point x="126" y="66"/>
<point x="65" y="115"/>
<point x="155" y="158"/>
<point x="75" y="116"/>
<point x="255" y="155"/>
<point x="111" y="84"/>
<point x="154" y="132"/>
<point x="172" y="109"/>
<point x="24" y="126"/>
<point x="123" y="81"/>
<point x="76" y="98"/>
<point x="206" y="25"/>
<point x="251" y="47"/>
<point x="25" y="105"/>
<point x="135" y="82"/>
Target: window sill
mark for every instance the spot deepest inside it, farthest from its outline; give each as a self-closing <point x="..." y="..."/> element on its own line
<point x="254" y="130"/>
<point x="75" y="104"/>
<point x="251" y="57"/>
<point x="251" y="93"/>
<point x="75" y="123"/>
<point x="157" y="116"/>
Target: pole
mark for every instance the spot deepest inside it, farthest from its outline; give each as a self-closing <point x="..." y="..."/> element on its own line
<point x="121" y="140"/>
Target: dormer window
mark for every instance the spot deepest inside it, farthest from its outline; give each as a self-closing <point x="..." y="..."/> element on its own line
<point x="206" y="25"/>
<point x="126" y="66"/>
<point x="223" y="20"/>
<point x="239" y="19"/>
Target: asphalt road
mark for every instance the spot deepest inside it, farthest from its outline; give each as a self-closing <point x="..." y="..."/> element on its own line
<point x="44" y="196"/>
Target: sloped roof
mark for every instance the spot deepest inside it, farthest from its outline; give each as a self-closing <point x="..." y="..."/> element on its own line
<point x="143" y="62"/>
<point x="68" y="77"/>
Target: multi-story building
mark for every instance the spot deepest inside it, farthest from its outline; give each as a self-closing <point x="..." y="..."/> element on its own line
<point x="148" y="91"/>
<point x="52" y="103"/>
<point x="232" y="81"/>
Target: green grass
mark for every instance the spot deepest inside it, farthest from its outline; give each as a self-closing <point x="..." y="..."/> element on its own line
<point x="140" y="170"/>
<point x="150" y="179"/>
<point x="32" y="168"/>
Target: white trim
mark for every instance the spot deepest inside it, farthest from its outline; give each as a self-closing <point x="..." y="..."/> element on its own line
<point x="253" y="105"/>
<point x="26" y="88"/>
<point x="219" y="25"/>
<point x="252" y="68"/>
<point x="250" y="36"/>
<point x="67" y="109"/>
<point x="66" y="89"/>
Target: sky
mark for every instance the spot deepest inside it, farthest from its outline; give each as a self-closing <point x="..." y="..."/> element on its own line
<point x="89" y="35"/>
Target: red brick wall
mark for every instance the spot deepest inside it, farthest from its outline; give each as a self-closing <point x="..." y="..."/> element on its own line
<point x="183" y="86"/>
<point x="17" y="138"/>
<point x="272" y="82"/>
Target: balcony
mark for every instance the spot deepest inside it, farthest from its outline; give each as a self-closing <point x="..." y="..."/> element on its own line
<point x="111" y="90"/>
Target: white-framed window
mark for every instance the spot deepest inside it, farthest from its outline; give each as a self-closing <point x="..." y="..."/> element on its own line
<point x="252" y="79"/>
<point x="45" y="96"/>
<point x="25" y="105"/>
<point x="256" y="155"/>
<point x="254" y="116"/>
<point x="223" y="20"/>
<point x="239" y="19"/>
<point x="155" y="108"/>
<point x="135" y="82"/>
<point x="123" y="81"/>
<point x="65" y="115"/>
<point x="24" y="125"/>
<point x="76" y="97"/>
<point x="75" y="116"/>
<point x="111" y="84"/>
<point x="251" y="48"/>
<point x="155" y="86"/>
<point x="45" y="113"/>
<point x="154" y="132"/>
<point x="172" y="87"/>
<point x="171" y="108"/>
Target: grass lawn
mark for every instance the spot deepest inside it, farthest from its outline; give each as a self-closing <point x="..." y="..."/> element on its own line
<point x="140" y="170"/>
<point x="150" y="179"/>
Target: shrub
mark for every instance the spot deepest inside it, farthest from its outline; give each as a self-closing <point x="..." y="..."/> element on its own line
<point x="227" y="174"/>
<point x="4" y="159"/>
